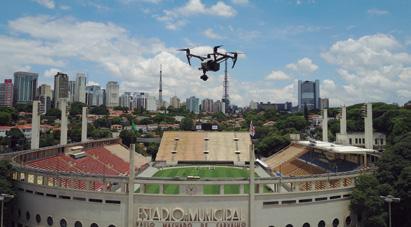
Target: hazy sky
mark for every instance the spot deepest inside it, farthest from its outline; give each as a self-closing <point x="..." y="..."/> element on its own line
<point x="359" y="50"/>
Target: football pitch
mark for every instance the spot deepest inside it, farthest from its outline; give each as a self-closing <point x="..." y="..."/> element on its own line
<point x="202" y="172"/>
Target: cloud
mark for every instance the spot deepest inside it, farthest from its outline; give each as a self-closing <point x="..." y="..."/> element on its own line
<point x="46" y="3"/>
<point x="293" y="30"/>
<point x="377" y="12"/>
<point x="240" y="2"/>
<point x="131" y="60"/>
<point x="373" y="68"/>
<point x="51" y="72"/>
<point x="304" y="66"/>
<point x="91" y="83"/>
<point x="277" y="75"/>
<point x="194" y="8"/>
<point x="209" y="33"/>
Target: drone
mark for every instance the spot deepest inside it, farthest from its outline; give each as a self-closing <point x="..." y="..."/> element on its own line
<point x="211" y="62"/>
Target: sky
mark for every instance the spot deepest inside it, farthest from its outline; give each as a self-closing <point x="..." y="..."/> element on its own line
<point x="359" y="50"/>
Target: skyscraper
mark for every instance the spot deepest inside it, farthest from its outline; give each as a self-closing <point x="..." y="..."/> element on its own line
<point x="6" y="93"/>
<point x="80" y="94"/>
<point x="61" y="88"/>
<point x="25" y="87"/>
<point x="94" y="95"/>
<point x="72" y="91"/>
<point x="126" y="100"/>
<point x="309" y="95"/>
<point x="192" y="104"/>
<point x="112" y="94"/>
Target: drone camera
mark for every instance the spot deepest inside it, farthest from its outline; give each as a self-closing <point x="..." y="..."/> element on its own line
<point x="204" y="77"/>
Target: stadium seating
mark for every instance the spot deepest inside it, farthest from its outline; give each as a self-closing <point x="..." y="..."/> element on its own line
<point x="287" y="154"/>
<point x="337" y="165"/>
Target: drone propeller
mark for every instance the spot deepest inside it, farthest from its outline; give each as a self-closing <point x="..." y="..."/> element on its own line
<point x="216" y="48"/>
<point x="235" y="55"/>
<point x="187" y="50"/>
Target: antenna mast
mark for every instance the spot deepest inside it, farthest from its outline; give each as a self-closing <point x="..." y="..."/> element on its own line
<point x="226" y="100"/>
<point x="160" y="90"/>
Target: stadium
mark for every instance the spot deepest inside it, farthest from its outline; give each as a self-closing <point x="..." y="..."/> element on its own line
<point x="197" y="179"/>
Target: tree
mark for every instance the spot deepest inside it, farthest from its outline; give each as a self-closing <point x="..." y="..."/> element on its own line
<point x="272" y="144"/>
<point x="74" y="133"/>
<point x="47" y="139"/>
<point x="17" y="140"/>
<point x="53" y="113"/>
<point x="6" y="185"/>
<point x="128" y="137"/>
<point x="99" y="110"/>
<point x="100" y="133"/>
<point x="24" y="108"/>
<point x="5" y="118"/>
<point x="76" y="108"/>
<point x="186" y="124"/>
<point x="366" y="201"/>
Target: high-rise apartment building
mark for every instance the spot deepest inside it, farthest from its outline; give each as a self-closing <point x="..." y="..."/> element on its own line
<point x="207" y="106"/>
<point x="324" y="103"/>
<point x="175" y="102"/>
<point x="192" y="104"/>
<point x="6" y="93"/>
<point x="72" y="91"/>
<point x="126" y="100"/>
<point x="151" y="103"/>
<point x="112" y="94"/>
<point x="25" y="87"/>
<point x="45" y="97"/>
<point x="61" y="88"/>
<point x="80" y="94"/>
<point x="94" y="95"/>
<point x="309" y="95"/>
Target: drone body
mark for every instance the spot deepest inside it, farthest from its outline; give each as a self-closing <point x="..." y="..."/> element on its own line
<point x="211" y="62"/>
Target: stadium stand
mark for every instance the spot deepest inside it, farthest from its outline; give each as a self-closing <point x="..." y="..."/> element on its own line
<point x="337" y="165"/>
<point x="287" y="154"/>
<point x="298" y="168"/>
<point x="190" y="146"/>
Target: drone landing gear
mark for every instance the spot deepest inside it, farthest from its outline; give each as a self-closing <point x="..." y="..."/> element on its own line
<point x="204" y="77"/>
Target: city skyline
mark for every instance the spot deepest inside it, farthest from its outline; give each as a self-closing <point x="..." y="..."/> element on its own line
<point x="360" y="52"/>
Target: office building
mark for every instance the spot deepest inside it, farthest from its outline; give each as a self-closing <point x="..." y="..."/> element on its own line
<point x="61" y="88"/>
<point x="253" y="105"/>
<point x="281" y="107"/>
<point x="94" y="95"/>
<point x="112" y="94"/>
<point x="219" y="106"/>
<point x="6" y="93"/>
<point x="25" y="87"/>
<point x="80" y="94"/>
<point x="309" y="95"/>
<point x="193" y="104"/>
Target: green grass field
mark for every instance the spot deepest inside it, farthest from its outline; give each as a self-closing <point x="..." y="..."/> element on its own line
<point x="202" y="172"/>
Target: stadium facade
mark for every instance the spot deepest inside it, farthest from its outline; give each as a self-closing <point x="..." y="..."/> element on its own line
<point x="100" y="183"/>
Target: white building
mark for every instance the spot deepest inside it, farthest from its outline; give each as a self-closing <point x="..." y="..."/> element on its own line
<point x="112" y="94"/>
<point x="253" y="105"/>
<point x="80" y="94"/>
<point x="151" y="103"/>
<point x="126" y="100"/>
<point x="94" y="95"/>
<point x="358" y="139"/>
<point x="175" y="102"/>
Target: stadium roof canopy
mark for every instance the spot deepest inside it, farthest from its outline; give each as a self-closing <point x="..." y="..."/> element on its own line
<point x="336" y="148"/>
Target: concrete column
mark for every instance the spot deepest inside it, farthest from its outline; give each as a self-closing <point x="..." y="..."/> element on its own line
<point x="35" y="126"/>
<point x="84" y="125"/>
<point x="63" y="127"/>
<point x="343" y="121"/>
<point x="325" y="125"/>
<point x="251" y="201"/>
<point x="368" y="128"/>
<point x="132" y="175"/>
